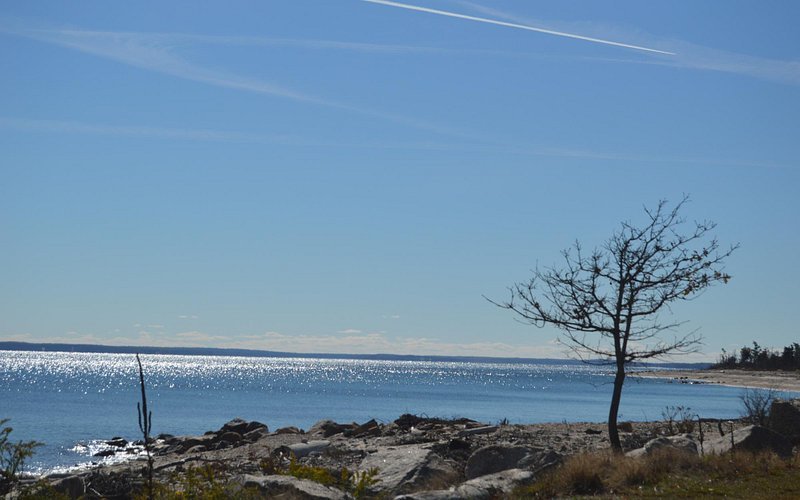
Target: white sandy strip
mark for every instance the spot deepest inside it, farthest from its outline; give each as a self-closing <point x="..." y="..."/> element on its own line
<point x="779" y="381"/>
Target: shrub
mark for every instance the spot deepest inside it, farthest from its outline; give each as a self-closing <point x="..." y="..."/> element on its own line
<point x="12" y="457"/>
<point x="679" y="419"/>
<point x="756" y="403"/>
<point x="353" y="482"/>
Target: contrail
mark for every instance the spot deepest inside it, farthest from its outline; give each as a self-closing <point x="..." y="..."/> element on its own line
<point x="514" y="25"/>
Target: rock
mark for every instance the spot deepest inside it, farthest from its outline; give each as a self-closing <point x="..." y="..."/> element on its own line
<point x="593" y="431"/>
<point x="105" y="453"/>
<point x="485" y="429"/>
<point x="408" y="468"/>
<point x="486" y="487"/>
<point x="189" y="443"/>
<point x="300" y="450"/>
<point x="291" y="488"/>
<point x="236" y="425"/>
<point x="499" y="457"/>
<point x="229" y="437"/>
<point x="288" y="430"/>
<point x="71" y="486"/>
<point x="255" y="434"/>
<point x="625" y="427"/>
<point x="118" y="442"/>
<point x="682" y="442"/>
<point x="751" y="438"/>
<point x="196" y="449"/>
<point x="328" y="428"/>
<point x="784" y="418"/>
<point x="370" y="428"/>
<point x="456" y="449"/>
<point x="255" y="425"/>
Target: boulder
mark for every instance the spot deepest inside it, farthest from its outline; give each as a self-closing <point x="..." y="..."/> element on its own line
<point x="751" y="438"/>
<point x="289" y="430"/>
<point x="408" y="468"/>
<point x="370" y="428"/>
<point x="484" y="429"/>
<point x="236" y="425"/>
<point x="229" y="437"/>
<point x="784" y="418"/>
<point x="328" y="428"/>
<point x="289" y="487"/>
<point x="71" y="486"/>
<point x="300" y="450"/>
<point x="499" y="457"/>
<point x="255" y="434"/>
<point x="118" y="442"/>
<point x="256" y="425"/>
<point x="190" y="443"/>
<point x="491" y="486"/>
<point x="681" y="442"/>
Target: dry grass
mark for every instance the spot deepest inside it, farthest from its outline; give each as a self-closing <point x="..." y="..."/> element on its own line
<point x="670" y="473"/>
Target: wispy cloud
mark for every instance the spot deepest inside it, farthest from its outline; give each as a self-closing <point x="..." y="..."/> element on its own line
<point x="685" y="55"/>
<point x="349" y="331"/>
<point x="146" y="52"/>
<point x="206" y="135"/>
<point x="154" y="52"/>
<point x="74" y="127"/>
<point x="518" y="26"/>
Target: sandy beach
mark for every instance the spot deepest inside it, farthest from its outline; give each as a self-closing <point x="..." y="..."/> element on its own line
<point x="778" y="380"/>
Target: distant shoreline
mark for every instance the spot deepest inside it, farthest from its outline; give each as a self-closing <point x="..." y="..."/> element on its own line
<point x="777" y="380"/>
<point x="217" y="351"/>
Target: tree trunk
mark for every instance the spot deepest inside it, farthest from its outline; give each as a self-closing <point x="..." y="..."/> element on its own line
<point x="613" y="433"/>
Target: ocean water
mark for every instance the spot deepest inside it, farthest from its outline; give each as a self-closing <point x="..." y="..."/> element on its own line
<point x="74" y="401"/>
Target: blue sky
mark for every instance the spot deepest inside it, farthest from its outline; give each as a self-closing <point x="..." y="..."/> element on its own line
<point x="352" y="176"/>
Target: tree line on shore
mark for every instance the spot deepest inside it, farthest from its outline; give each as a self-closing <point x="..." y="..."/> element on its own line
<point x="760" y="358"/>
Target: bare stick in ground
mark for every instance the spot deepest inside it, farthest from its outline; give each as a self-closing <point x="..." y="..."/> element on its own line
<point x="145" y="425"/>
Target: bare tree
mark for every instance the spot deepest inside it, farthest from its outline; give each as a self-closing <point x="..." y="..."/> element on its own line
<point x="607" y="302"/>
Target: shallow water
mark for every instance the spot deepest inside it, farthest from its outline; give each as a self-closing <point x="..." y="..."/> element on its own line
<point x="73" y="401"/>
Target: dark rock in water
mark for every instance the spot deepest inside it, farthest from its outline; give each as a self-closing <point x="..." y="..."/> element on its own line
<point x="499" y="457"/>
<point x="165" y="437"/>
<point x="784" y="418"/>
<point x="751" y="438"/>
<point x="291" y="487"/>
<point x="118" y="442"/>
<point x="105" y="453"/>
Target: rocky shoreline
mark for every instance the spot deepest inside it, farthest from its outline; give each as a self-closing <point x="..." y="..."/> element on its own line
<point x="410" y="458"/>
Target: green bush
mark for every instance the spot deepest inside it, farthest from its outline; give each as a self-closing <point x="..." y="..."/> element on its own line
<point x="12" y="457"/>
